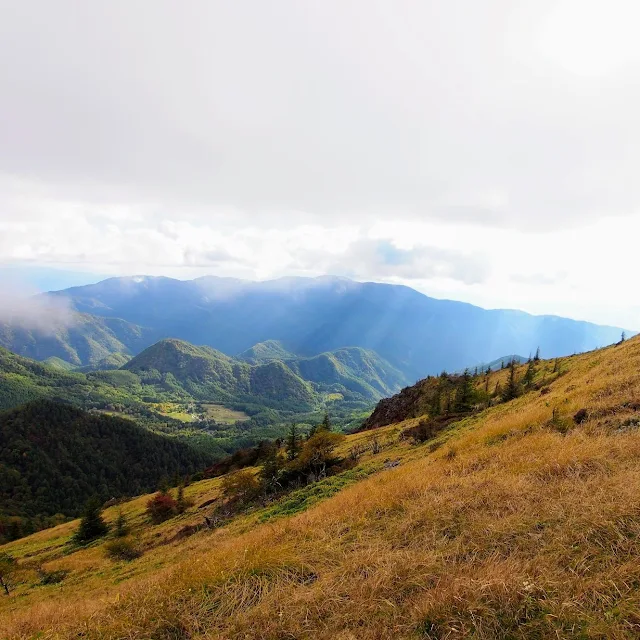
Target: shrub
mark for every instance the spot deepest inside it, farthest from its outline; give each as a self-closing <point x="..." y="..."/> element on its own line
<point x="8" y="567"/>
<point x="317" y="452"/>
<point x="121" y="549"/>
<point x="581" y="416"/>
<point x="52" y="577"/>
<point x="241" y="486"/>
<point x="161" y="507"/>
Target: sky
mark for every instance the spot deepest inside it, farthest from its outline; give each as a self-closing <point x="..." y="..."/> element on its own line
<point x="480" y="151"/>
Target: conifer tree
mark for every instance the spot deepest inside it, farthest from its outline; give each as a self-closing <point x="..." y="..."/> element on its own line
<point x="465" y="393"/>
<point x="512" y="390"/>
<point x="536" y="358"/>
<point x="530" y="374"/>
<point x="92" y="525"/>
<point x="181" y="503"/>
<point x="435" y="407"/>
<point x="270" y="470"/>
<point x="121" y="527"/>
<point x="486" y="384"/>
<point x="293" y="442"/>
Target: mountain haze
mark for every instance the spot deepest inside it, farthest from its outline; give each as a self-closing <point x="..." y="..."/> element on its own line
<point x="82" y="339"/>
<point x="307" y="316"/>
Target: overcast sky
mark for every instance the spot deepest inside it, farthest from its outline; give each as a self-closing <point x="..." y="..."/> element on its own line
<point x="482" y="151"/>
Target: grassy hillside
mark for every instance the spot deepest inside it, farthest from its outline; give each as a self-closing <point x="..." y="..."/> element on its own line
<point x="516" y="521"/>
<point x="54" y="457"/>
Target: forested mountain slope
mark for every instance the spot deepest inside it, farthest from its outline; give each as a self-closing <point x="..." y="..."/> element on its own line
<point x="54" y="457"/>
<point x="23" y="380"/>
<point x="206" y="374"/>
<point x="78" y="338"/>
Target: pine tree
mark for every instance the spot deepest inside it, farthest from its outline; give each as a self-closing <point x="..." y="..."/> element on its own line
<point x="181" y="503"/>
<point x="536" y="358"/>
<point x="121" y="527"/>
<point x="486" y="384"/>
<point x="91" y="525"/>
<point x="293" y="442"/>
<point x="326" y="422"/>
<point x="530" y="374"/>
<point x="435" y="408"/>
<point x="512" y="390"/>
<point x="465" y="393"/>
<point x="270" y="470"/>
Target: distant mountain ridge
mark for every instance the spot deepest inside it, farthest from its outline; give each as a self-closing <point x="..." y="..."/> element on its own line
<point x="417" y="334"/>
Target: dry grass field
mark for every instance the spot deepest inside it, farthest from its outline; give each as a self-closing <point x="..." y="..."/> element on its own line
<point x="517" y="522"/>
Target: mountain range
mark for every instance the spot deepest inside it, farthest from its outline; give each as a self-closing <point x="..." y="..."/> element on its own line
<point x="209" y="375"/>
<point x="416" y="334"/>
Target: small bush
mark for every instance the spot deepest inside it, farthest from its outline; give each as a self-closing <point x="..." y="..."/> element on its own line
<point x="241" y="486"/>
<point x="121" y="549"/>
<point x="52" y="577"/>
<point x="581" y="416"/>
<point x="161" y="507"/>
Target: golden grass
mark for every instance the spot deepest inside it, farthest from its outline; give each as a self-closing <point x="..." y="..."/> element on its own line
<point x="518" y="526"/>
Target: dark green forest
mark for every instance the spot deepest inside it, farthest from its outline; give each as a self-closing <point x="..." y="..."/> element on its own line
<point x="54" y="457"/>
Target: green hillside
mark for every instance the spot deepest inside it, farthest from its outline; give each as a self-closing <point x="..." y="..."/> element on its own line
<point x="112" y="361"/>
<point x="23" y="380"/>
<point x="265" y="352"/>
<point x="205" y="374"/>
<point x="351" y="370"/>
<point x="351" y="375"/>
<point x="83" y="340"/>
<point x="53" y="457"/>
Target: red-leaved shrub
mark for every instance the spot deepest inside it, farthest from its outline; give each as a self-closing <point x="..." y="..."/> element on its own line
<point x="161" y="507"/>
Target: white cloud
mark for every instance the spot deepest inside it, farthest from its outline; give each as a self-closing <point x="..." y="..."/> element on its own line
<point x="480" y="151"/>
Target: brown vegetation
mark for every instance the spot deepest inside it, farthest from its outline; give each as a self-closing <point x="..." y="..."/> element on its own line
<point x="523" y="523"/>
